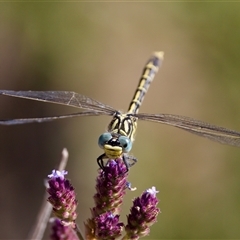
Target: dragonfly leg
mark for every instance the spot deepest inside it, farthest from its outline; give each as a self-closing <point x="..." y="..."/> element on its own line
<point x="100" y="161"/>
<point x="129" y="161"/>
<point x="125" y="159"/>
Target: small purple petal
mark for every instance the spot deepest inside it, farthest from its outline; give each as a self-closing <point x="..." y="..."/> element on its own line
<point x="152" y="191"/>
<point x="58" y="174"/>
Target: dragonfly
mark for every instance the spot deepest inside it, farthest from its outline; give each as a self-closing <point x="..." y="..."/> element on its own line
<point x="117" y="141"/>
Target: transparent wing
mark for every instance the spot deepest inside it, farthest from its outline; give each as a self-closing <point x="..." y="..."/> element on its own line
<point x="59" y="97"/>
<point x="215" y="133"/>
<point x="62" y="97"/>
<point x="47" y="119"/>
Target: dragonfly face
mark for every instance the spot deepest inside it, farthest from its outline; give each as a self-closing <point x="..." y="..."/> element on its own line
<point x="115" y="146"/>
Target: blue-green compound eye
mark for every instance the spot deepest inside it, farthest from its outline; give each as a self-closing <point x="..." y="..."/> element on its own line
<point x="126" y="143"/>
<point x="105" y="137"/>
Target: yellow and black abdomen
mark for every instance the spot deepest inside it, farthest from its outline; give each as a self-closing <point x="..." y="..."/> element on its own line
<point x="148" y="74"/>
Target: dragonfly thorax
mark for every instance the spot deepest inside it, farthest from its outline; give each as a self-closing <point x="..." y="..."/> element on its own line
<point x="123" y="124"/>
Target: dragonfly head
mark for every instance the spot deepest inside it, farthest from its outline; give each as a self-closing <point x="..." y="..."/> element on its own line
<point x="114" y="145"/>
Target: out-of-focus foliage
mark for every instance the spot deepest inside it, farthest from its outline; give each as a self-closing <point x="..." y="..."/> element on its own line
<point x="99" y="50"/>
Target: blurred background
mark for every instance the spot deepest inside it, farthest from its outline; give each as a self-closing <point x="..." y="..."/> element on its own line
<point x="99" y="50"/>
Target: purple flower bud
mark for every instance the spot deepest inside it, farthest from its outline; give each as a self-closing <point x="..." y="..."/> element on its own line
<point x="142" y="215"/>
<point x="61" y="232"/>
<point x="62" y="197"/>
<point x="108" y="226"/>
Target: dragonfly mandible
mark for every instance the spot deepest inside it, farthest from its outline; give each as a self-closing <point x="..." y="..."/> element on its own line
<point x="117" y="141"/>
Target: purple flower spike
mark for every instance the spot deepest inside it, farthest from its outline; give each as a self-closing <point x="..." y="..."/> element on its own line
<point x="111" y="185"/>
<point x="108" y="226"/>
<point x="142" y="215"/>
<point x="62" y="197"/>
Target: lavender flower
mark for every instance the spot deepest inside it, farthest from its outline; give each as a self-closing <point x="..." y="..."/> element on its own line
<point x="143" y="214"/>
<point x="62" y="197"/>
<point x="108" y="226"/>
<point x="104" y="223"/>
<point x="111" y="186"/>
<point x="62" y="232"/>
